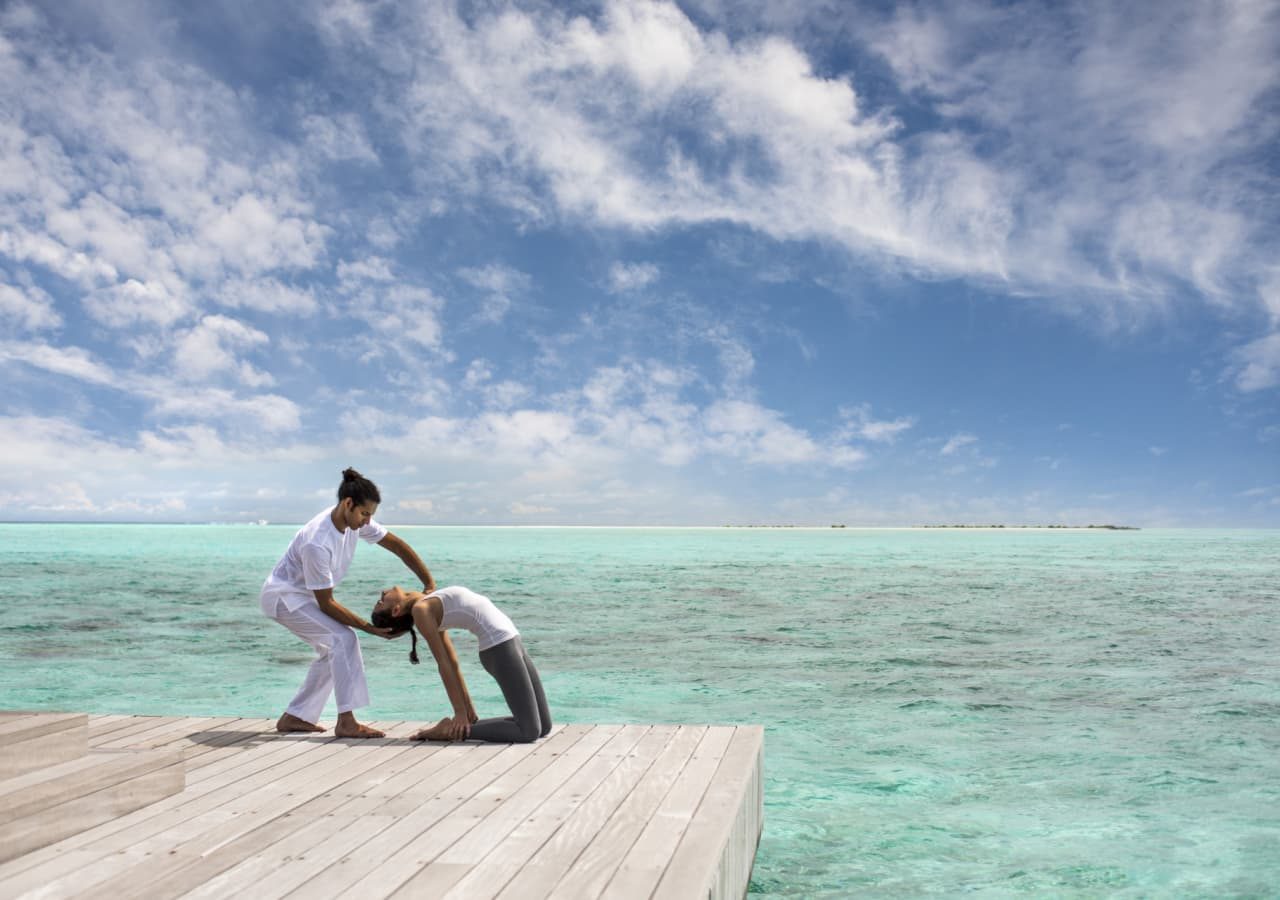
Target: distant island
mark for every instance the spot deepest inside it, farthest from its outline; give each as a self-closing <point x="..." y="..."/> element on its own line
<point x="1099" y="527"/>
<point x="1102" y="527"/>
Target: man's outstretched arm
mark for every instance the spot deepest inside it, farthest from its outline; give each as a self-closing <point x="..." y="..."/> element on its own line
<point x="410" y="559"/>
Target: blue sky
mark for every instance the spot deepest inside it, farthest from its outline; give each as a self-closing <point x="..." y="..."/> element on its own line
<point x="642" y="262"/>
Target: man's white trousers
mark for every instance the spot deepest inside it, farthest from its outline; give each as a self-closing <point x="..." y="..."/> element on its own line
<point x="338" y="668"/>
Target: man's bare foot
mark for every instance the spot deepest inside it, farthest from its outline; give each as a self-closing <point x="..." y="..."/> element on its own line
<point x="348" y="727"/>
<point x="290" y="723"/>
<point x="437" y="732"/>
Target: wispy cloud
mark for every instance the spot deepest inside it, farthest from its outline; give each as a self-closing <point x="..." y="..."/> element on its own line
<point x="338" y="137"/>
<point x="27" y="309"/>
<point x="520" y="508"/>
<point x="141" y="182"/>
<point x="860" y="423"/>
<point x="624" y="277"/>
<point x="617" y="419"/>
<point x="1257" y="364"/>
<point x="268" y="295"/>
<point x="270" y="412"/>
<point x="157" y="473"/>
<point x="503" y="394"/>
<point x="1174" y="91"/>
<point x="499" y="285"/>
<point x="73" y="362"/>
<point x="956" y="442"/>
<point x="406" y="317"/>
<point x="585" y="108"/>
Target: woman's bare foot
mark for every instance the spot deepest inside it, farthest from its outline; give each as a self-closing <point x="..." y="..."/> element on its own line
<point x="288" y="723"/>
<point x="437" y="732"/>
<point x="348" y="727"/>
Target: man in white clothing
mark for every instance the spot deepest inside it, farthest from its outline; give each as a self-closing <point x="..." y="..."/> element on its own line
<point x="299" y="595"/>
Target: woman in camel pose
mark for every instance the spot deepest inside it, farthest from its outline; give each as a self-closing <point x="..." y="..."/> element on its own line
<point x="501" y="653"/>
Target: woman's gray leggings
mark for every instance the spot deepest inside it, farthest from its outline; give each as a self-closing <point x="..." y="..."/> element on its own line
<point x="530" y="719"/>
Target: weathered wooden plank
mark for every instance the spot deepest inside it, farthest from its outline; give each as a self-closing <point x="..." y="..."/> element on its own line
<point x="506" y="860"/>
<point x="99" y="728"/>
<point x="175" y="814"/>
<point x="293" y="859"/>
<point x="598" y="861"/>
<point x="479" y="803"/>
<point x="102" y="721"/>
<point x="136" y="731"/>
<point x="638" y="874"/>
<point x="506" y="803"/>
<point x="480" y="823"/>
<point x="112" y="835"/>
<point x="163" y="868"/>
<point x="164" y="730"/>
<point x="549" y="863"/>
<point x="50" y="786"/>
<point x="48" y="811"/>
<point x="198" y="799"/>
<point x="201" y="748"/>
<point x="24" y="727"/>
<point x="34" y="881"/>
<point x="442" y="879"/>
<point x="249" y="752"/>
<point x="401" y="795"/>
<point x="39" y="743"/>
<point x="720" y="841"/>
<point x="393" y="786"/>
<point x="492" y="837"/>
<point x="403" y="860"/>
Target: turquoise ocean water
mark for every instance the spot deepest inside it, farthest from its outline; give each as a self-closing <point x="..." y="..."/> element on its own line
<point x="994" y="713"/>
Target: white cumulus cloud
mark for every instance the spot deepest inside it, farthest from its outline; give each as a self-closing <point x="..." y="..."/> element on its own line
<point x="27" y="308"/>
<point x="212" y="347"/>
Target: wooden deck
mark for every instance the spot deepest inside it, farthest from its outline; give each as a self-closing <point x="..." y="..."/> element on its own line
<point x="589" y="811"/>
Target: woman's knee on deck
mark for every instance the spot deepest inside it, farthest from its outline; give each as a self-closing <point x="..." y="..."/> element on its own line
<point x="530" y="729"/>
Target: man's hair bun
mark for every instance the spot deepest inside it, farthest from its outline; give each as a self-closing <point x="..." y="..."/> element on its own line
<point x="358" y="488"/>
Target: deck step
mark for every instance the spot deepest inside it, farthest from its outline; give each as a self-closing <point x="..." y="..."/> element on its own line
<point x="54" y="802"/>
<point x="32" y="741"/>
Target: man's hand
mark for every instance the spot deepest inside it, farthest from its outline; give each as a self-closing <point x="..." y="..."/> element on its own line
<point x="335" y="610"/>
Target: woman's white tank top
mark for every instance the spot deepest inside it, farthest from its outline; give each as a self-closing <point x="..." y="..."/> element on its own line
<point x="464" y="608"/>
